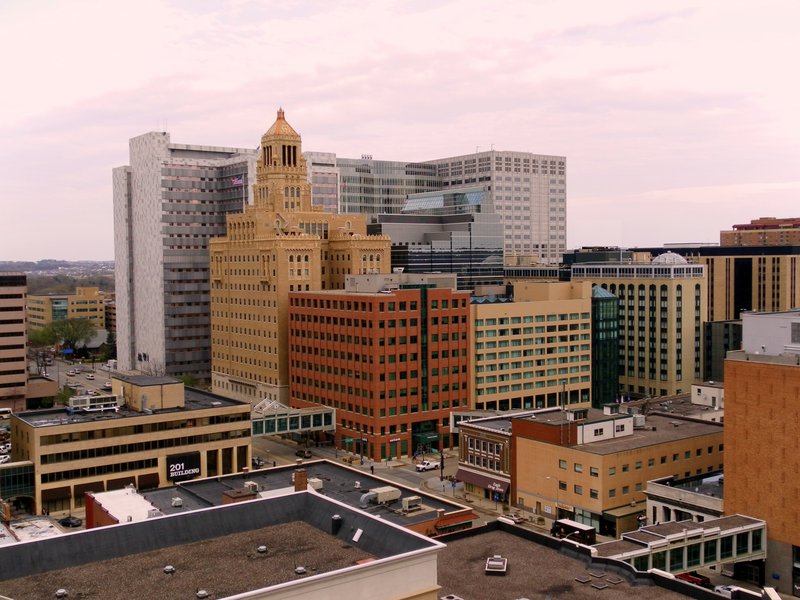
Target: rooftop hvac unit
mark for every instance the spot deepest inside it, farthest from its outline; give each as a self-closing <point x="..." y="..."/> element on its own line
<point x="251" y="485"/>
<point x="177" y="502"/>
<point x="386" y="494"/>
<point x="411" y="503"/>
<point x="154" y="512"/>
<point x="315" y="483"/>
<point x="638" y="420"/>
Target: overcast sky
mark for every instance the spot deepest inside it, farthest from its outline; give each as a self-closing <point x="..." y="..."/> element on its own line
<point x="678" y="119"/>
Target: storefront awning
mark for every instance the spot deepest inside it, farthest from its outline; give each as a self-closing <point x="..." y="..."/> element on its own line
<point x="484" y="481"/>
<point x="456" y="520"/>
<point x="624" y="511"/>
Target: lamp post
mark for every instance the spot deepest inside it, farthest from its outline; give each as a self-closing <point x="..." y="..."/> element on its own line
<point x="555" y="480"/>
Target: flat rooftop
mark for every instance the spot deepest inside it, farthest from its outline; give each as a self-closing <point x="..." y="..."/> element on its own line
<point x="193" y="400"/>
<point x="214" y="549"/>
<point x="224" y="566"/>
<point x="534" y="571"/>
<point x="712" y="485"/>
<point x="678" y="404"/>
<point x="338" y="483"/>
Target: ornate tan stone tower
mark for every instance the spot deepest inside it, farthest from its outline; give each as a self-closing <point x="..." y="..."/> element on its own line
<point x="279" y="245"/>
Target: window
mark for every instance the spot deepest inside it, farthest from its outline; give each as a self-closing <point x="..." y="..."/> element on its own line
<point x="651" y="462"/>
<point x="625" y="468"/>
<point x="562" y="485"/>
<point x="598" y="432"/>
<point x="620" y="428"/>
<point x="562" y="464"/>
<point x="593" y="494"/>
<point x="710" y="551"/>
<point x="675" y="457"/>
<point x="578" y="468"/>
<point x="612" y="471"/>
<point x="726" y="547"/>
<point x="579" y="490"/>
<point x="594" y="472"/>
<point x="612" y="493"/>
<point x="626" y="489"/>
<point x="638" y="465"/>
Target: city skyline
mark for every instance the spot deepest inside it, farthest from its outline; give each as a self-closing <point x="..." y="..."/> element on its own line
<point x="676" y="115"/>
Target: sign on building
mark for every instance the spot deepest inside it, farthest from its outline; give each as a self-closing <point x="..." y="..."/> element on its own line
<point x="181" y="467"/>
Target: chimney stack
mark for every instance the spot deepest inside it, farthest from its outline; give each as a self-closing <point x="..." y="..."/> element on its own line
<point x="300" y="480"/>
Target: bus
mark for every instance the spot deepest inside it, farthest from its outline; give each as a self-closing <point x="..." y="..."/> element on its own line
<point x="577" y="532"/>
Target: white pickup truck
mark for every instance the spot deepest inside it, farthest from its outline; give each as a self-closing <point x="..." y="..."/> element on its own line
<point x="428" y="465"/>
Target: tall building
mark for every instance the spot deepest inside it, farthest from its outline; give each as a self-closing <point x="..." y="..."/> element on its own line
<point x="389" y="353"/>
<point x="605" y="347"/>
<point x="168" y="202"/>
<point x="762" y="387"/>
<point x="766" y="231"/>
<point x="662" y="308"/>
<point x="452" y="231"/>
<point x="527" y="190"/>
<point x="534" y="352"/>
<point x="13" y="341"/>
<point x="86" y="303"/>
<point x="280" y="244"/>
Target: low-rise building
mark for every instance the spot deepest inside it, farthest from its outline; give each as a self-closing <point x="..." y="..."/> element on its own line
<point x="85" y="303"/>
<point x="698" y="498"/>
<point x="149" y="431"/>
<point x="592" y="466"/>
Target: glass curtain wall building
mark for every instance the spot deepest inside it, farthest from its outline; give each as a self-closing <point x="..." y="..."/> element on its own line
<point x="449" y="232"/>
<point x="605" y="335"/>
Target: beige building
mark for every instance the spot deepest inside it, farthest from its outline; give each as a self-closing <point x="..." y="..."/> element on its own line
<point x="593" y="466"/>
<point x="662" y="308"/>
<point x="149" y="432"/>
<point x="85" y="303"/>
<point x="533" y="352"/>
<point x="765" y="231"/>
<point x="279" y="245"/>
<point x="13" y="341"/>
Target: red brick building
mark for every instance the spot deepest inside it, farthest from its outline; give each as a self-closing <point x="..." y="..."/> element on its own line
<point x="393" y="363"/>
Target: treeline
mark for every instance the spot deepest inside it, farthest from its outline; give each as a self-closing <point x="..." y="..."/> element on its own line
<point x="65" y="284"/>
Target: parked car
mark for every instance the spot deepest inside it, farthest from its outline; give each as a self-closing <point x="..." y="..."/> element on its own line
<point x="428" y="465"/>
<point x="304" y="453"/>
<point x="695" y="578"/>
<point x="5" y="448"/>
<point x="4" y="458"/>
<point x="257" y="462"/>
<point x="89" y="376"/>
<point x="727" y="591"/>
<point x="70" y="521"/>
<point x="350" y="459"/>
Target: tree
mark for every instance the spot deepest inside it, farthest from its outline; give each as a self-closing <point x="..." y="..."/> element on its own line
<point x="41" y="338"/>
<point x="73" y="331"/>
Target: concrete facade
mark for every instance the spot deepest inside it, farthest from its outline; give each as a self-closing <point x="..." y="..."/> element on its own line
<point x="168" y="202"/>
<point x="534" y="352"/>
<point x="86" y="303"/>
<point x="13" y="341"/>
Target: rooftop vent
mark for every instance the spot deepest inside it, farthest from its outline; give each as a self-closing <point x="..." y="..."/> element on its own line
<point x="177" y="502"/>
<point x="61" y="593"/>
<point x="300" y="570"/>
<point x="169" y="570"/>
<point x="202" y="594"/>
<point x="262" y="549"/>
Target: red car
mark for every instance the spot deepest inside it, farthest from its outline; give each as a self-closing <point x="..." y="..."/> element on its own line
<point x="695" y="578"/>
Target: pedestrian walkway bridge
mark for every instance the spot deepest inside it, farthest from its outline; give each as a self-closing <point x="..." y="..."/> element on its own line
<point x="681" y="546"/>
<point x="270" y="417"/>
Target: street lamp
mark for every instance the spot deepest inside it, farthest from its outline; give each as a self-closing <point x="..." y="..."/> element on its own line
<point x="557" y="487"/>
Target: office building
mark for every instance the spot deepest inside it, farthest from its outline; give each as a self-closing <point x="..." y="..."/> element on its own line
<point x="86" y="303"/>
<point x="766" y="231"/>
<point x="280" y="244"/>
<point x="662" y="308"/>
<point x="534" y="352"/>
<point x="762" y="387"/>
<point x="605" y="347"/>
<point x="149" y="432"/>
<point x="13" y="341"/>
<point x="528" y="192"/>
<point x="168" y="202"/>
<point x="389" y="353"/>
<point x="592" y="466"/>
<point x="447" y="232"/>
<point x="719" y="338"/>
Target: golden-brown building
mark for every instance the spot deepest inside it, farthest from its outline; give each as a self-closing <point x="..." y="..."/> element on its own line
<point x="149" y="432"/>
<point x="765" y="231"/>
<point x="533" y="352"/>
<point x="762" y="420"/>
<point x="279" y="245"/>
<point x="85" y="303"/>
<point x="592" y="466"/>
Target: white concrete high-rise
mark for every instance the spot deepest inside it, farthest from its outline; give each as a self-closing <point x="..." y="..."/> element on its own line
<point x="168" y="202"/>
<point x="527" y="190"/>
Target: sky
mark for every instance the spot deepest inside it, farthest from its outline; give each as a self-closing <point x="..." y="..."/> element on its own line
<point x="678" y="119"/>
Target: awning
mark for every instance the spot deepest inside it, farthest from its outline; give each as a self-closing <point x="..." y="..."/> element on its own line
<point x="484" y="481"/>
<point x="427" y="437"/>
<point x="625" y="511"/>
<point x="456" y="520"/>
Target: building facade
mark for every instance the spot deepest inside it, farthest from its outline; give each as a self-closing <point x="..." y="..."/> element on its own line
<point x="86" y="303"/>
<point x="534" y="352"/>
<point x="766" y="231"/>
<point x="391" y="358"/>
<point x="448" y="232"/>
<point x="593" y="466"/>
<point x="13" y="341"/>
<point x="528" y="191"/>
<point x="279" y="245"/>
<point x="151" y="433"/>
<point x="605" y="347"/>
<point x="762" y="385"/>
<point x="168" y="202"/>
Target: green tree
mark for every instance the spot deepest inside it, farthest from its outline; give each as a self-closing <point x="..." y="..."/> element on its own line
<point x="41" y="338"/>
<point x="73" y="331"/>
